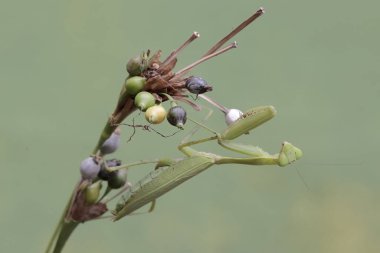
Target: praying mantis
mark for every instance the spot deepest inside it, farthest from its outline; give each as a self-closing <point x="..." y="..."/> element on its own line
<point x="171" y="173"/>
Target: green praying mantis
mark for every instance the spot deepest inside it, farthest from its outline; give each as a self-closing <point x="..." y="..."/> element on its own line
<point x="171" y="173"/>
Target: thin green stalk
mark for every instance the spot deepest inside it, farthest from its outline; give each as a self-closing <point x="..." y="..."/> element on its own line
<point x="66" y="231"/>
<point x="55" y="234"/>
<point x="59" y="227"/>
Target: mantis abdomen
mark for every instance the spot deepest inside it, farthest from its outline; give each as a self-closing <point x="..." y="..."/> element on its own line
<point x="162" y="180"/>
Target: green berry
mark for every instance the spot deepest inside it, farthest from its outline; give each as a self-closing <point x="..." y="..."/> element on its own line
<point x="134" y="85"/>
<point x="144" y="100"/>
<point x="135" y="66"/>
<point x="92" y="192"/>
<point x="117" y="179"/>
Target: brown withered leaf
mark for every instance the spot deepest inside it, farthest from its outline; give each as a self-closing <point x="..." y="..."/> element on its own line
<point x="81" y="211"/>
<point x="165" y="69"/>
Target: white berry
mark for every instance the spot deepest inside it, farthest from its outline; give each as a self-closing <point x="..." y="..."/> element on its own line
<point x="232" y="115"/>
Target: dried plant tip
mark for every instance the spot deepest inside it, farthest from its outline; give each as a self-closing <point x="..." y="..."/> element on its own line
<point x="205" y="58"/>
<point x="155" y="65"/>
<point x="239" y="28"/>
<point x="174" y="54"/>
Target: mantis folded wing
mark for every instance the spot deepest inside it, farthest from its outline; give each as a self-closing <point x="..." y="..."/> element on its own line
<point x="170" y="175"/>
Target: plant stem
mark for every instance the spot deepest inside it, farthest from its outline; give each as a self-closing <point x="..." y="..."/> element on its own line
<point x="55" y="234"/>
<point x="65" y="226"/>
<point x="66" y="230"/>
<point x="61" y="224"/>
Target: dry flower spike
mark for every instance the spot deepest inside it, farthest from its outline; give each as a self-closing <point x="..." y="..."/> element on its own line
<point x="160" y="77"/>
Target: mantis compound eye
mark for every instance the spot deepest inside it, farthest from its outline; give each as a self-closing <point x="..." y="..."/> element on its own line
<point x="197" y="85"/>
<point x="177" y="116"/>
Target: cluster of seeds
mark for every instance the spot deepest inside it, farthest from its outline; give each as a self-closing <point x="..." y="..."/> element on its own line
<point x="95" y="169"/>
<point x="150" y="102"/>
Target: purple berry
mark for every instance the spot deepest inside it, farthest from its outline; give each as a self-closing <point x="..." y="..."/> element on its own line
<point x="104" y="174"/>
<point x="89" y="168"/>
<point x="111" y="144"/>
<point x="197" y="85"/>
<point x="177" y="116"/>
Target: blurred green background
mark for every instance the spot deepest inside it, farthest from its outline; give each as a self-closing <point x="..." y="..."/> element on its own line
<point x="63" y="62"/>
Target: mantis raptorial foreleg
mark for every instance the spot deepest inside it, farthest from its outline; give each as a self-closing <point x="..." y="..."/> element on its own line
<point x="249" y="120"/>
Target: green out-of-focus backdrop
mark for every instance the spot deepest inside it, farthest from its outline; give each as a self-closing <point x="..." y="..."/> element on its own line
<point x="62" y="65"/>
